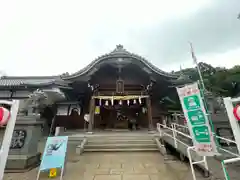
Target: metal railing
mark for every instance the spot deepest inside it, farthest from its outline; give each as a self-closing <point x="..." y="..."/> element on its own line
<point x="80" y="148"/>
<point x="228" y="141"/>
<point x="177" y="132"/>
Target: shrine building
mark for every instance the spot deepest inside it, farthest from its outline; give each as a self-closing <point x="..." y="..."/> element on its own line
<point x="112" y="88"/>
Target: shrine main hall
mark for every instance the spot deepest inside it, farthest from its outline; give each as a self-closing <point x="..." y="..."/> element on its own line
<point x="113" y="87"/>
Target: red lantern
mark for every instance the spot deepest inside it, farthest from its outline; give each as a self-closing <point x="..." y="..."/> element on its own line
<point x="4" y="116"/>
<point x="236" y="112"/>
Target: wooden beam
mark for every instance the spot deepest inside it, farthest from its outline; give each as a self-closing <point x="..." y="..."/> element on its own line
<point x="91" y="114"/>
<point x="149" y="111"/>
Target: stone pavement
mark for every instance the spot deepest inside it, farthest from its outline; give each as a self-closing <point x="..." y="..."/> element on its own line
<point x="118" y="166"/>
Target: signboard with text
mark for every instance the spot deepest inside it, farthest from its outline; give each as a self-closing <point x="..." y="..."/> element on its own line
<point x="54" y="153"/>
<point x="197" y="120"/>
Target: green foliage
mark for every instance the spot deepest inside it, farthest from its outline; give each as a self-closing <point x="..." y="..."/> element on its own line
<point x="220" y="81"/>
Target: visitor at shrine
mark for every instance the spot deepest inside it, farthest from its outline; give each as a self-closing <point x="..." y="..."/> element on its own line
<point x="132" y="123"/>
<point x="129" y="123"/>
<point x="86" y="119"/>
<point x="136" y="123"/>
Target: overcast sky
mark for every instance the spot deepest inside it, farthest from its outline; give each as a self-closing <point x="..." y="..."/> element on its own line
<point x="50" y="37"/>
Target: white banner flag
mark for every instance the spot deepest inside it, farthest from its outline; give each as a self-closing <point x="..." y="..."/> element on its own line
<point x="197" y="120"/>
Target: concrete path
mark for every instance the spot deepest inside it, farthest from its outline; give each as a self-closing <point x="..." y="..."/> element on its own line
<point x="118" y="166"/>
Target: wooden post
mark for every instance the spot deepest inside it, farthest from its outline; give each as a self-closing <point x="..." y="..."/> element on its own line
<point x="91" y="114"/>
<point x="149" y="111"/>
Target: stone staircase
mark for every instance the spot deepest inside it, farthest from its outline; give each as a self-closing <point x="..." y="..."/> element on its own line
<point x="121" y="143"/>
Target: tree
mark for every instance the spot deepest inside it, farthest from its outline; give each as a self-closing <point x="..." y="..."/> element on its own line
<point x="206" y="69"/>
<point x="218" y="80"/>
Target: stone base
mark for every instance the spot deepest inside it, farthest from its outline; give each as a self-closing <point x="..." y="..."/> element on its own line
<point x="151" y="132"/>
<point x="22" y="163"/>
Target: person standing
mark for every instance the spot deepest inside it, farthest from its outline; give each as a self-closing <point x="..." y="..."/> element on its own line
<point x="129" y="123"/>
<point x="133" y="122"/>
<point x="86" y="120"/>
<point x="137" y="120"/>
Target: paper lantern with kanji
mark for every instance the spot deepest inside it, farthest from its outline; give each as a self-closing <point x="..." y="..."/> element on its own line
<point x="4" y="116"/>
<point x="236" y="112"/>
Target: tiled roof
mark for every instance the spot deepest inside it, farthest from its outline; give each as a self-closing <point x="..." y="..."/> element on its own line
<point x="18" y="81"/>
<point x="183" y="79"/>
<point x="120" y="52"/>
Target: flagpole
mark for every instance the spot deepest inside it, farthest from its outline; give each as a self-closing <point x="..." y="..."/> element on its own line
<point x="209" y="118"/>
<point x="198" y="69"/>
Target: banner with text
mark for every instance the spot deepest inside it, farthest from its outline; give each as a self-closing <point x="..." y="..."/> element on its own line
<point x="197" y="120"/>
<point x="54" y="153"/>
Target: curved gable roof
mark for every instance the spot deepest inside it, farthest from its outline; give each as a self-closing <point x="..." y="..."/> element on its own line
<point x="119" y="52"/>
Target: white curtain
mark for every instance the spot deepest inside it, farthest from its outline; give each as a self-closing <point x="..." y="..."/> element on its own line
<point x="62" y="110"/>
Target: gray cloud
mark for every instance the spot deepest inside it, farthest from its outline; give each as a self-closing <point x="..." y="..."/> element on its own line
<point x="212" y="30"/>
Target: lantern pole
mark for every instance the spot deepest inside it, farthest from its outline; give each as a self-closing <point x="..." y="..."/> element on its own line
<point x="8" y="134"/>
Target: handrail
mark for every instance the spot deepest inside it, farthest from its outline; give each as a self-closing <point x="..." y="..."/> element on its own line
<point x="218" y="137"/>
<point x="189" y="147"/>
<point x="81" y="148"/>
<point x="179" y="132"/>
<point x="188" y="136"/>
<point x="180" y="125"/>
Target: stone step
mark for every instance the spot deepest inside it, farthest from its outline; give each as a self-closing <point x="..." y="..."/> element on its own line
<point x="119" y="146"/>
<point x="121" y="141"/>
<point x="122" y="150"/>
<point x="122" y="138"/>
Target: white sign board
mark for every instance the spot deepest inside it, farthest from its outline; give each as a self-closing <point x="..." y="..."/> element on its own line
<point x="197" y="120"/>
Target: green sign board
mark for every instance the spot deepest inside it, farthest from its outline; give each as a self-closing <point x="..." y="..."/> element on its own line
<point x="196" y="117"/>
<point x="191" y="102"/>
<point x="197" y="120"/>
<point x="201" y="134"/>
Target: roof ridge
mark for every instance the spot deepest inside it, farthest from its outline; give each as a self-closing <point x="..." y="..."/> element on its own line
<point x="118" y="51"/>
<point x="30" y="77"/>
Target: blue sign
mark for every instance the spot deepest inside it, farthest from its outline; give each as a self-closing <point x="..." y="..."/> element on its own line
<point x="54" y="153"/>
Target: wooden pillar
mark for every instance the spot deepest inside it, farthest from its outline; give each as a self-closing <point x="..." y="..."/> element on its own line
<point x="91" y="114"/>
<point x="149" y="111"/>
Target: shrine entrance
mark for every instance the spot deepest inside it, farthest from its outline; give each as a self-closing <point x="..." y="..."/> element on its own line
<point x="120" y="117"/>
<point x="120" y="112"/>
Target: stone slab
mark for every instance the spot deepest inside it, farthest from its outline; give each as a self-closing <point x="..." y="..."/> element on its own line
<point x="125" y="166"/>
<point x="21" y="163"/>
